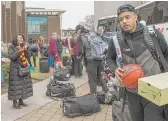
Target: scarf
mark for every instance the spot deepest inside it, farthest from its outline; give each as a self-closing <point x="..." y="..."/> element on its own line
<point x="22" y="56"/>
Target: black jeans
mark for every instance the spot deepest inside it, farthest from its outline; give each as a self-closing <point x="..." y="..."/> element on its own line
<point x="94" y="69"/>
<point x="76" y="66"/>
<point x="143" y="110"/>
<point x="166" y="112"/>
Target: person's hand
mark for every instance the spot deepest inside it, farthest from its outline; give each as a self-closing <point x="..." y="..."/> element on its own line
<point x="26" y="46"/>
<point x="119" y="73"/>
<point x="5" y="60"/>
<point x="18" y="47"/>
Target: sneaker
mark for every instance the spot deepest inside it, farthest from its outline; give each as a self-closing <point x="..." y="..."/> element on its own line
<point x="108" y="97"/>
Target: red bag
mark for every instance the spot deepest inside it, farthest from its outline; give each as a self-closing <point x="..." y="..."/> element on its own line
<point x="58" y="65"/>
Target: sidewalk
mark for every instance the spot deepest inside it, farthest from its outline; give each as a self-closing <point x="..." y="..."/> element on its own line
<point x="39" y="99"/>
<point x="53" y="112"/>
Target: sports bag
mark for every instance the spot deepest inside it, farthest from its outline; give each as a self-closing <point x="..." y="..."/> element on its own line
<point x="118" y="114"/>
<point x="78" y="106"/>
<point x="60" y="90"/>
<point x="62" y="75"/>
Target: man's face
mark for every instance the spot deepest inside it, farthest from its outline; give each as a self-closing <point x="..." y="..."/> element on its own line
<point x="127" y="21"/>
<point x="79" y="31"/>
<point x="100" y="30"/>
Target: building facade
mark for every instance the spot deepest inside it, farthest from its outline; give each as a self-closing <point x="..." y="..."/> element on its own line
<point x="43" y="22"/>
<point x="109" y="8"/>
<point x="13" y="20"/>
<point x="67" y="33"/>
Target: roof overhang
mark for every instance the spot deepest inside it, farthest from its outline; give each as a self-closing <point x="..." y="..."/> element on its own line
<point x="44" y="12"/>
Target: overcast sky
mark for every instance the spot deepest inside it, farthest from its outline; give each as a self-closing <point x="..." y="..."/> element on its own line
<point x="75" y="10"/>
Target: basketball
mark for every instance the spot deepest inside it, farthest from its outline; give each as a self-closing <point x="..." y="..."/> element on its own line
<point x="131" y="74"/>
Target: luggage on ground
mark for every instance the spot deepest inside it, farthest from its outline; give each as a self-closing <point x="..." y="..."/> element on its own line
<point x="43" y="65"/>
<point x="60" y="90"/>
<point x="120" y="110"/>
<point x="62" y="75"/>
<point x="78" y="106"/>
<point x="67" y="61"/>
<point x="101" y="97"/>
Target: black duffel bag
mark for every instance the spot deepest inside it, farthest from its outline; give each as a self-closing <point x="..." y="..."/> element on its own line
<point x="62" y="75"/>
<point x="59" y="90"/>
<point x="78" y="106"/>
<point x="101" y="97"/>
<point x="67" y="61"/>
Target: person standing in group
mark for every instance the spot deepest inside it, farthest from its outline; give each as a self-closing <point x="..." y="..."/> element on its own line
<point x="93" y="63"/>
<point x="40" y="45"/>
<point x="20" y="83"/>
<point x="134" y="50"/>
<point x="76" y="62"/>
<point x="59" y="44"/>
<point x="66" y="43"/>
<point x="52" y="53"/>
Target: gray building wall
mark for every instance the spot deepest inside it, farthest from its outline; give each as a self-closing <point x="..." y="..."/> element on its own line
<point x="108" y="8"/>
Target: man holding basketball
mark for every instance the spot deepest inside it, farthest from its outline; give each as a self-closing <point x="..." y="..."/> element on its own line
<point x="135" y="51"/>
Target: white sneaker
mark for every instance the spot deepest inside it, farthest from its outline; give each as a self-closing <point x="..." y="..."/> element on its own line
<point x="108" y="97"/>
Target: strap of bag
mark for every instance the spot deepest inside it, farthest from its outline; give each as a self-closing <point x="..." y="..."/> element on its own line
<point x="153" y="46"/>
<point x="118" y="50"/>
<point x="120" y="59"/>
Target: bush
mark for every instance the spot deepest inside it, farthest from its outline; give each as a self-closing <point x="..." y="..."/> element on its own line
<point x="6" y="68"/>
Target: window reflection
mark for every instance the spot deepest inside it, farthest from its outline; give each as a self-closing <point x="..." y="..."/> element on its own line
<point x="37" y="26"/>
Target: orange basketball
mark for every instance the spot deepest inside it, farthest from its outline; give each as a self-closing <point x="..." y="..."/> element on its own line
<point x="131" y="74"/>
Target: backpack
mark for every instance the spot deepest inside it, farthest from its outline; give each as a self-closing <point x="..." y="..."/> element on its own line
<point x="34" y="47"/>
<point x="78" y="106"/>
<point x="117" y="113"/>
<point x="63" y="75"/>
<point x="59" y="90"/>
<point x="97" y="45"/>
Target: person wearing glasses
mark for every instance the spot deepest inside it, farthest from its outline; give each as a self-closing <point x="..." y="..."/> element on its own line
<point x="135" y="51"/>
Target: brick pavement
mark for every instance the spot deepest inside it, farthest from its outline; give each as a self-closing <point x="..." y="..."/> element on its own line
<point x="53" y="111"/>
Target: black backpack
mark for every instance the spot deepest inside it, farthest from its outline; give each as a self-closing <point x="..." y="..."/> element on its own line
<point x="78" y="106"/>
<point x="63" y="75"/>
<point x="59" y="90"/>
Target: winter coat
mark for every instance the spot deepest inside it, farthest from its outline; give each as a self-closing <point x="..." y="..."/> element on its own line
<point x="20" y="87"/>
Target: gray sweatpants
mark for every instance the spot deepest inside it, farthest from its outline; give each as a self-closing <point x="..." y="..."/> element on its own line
<point x="94" y="69"/>
<point x="143" y="110"/>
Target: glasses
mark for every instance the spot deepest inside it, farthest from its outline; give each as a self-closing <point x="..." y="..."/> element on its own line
<point x="125" y="8"/>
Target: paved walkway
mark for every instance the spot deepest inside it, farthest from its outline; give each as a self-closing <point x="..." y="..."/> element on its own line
<point x="53" y="111"/>
<point x="39" y="99"/>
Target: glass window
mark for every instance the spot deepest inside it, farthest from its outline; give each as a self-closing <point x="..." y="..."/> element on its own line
<point x="37" y="26"/>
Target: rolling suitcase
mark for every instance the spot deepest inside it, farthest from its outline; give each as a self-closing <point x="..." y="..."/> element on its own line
<point x="43" y="65"/>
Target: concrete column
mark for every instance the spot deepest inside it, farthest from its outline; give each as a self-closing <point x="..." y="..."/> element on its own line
<point x="14" y="19"/>
<point x="3" y="23"/>
<point x="8" y="25"/>
<point x="24" y="29"/>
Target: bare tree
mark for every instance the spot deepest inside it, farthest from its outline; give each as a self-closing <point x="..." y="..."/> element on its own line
<point x="89" y="22"/>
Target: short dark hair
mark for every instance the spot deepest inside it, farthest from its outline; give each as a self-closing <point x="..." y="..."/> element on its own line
<point x="125" y="8"/>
